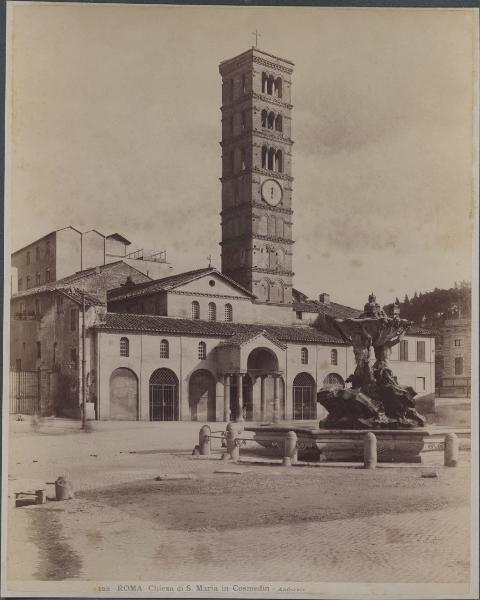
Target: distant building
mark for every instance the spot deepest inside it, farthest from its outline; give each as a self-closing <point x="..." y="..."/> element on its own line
<point x="453" y="356"/>
<point x="67" y="251"/>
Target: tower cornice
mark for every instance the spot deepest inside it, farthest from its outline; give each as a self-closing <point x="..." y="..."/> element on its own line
<point x="239" y="208"/>
<point x="254" y="95"/>
<point x="272" y="174"/>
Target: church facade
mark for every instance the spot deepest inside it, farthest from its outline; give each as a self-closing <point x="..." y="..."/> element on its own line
<point x="213" y="345"/>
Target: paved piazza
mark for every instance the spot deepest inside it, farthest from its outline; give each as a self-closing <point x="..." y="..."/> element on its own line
<point x="265" y="523"/>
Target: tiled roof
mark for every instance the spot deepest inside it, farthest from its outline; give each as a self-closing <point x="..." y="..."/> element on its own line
<point x="168" y="325"/>
<point x="332" y="309"/>
<point x="169" y="283"/>
<point x="417" y="330"/>
<point x="71" y="292"/>
<point x="241" y="337"/>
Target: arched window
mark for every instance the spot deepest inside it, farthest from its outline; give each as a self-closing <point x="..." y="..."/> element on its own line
<point x="228" y="312"/>
<point x="271" y="159"/>
<point x="278" y="123"/>
<point x="164" y="349"/>
<point x="334" y="357"/>
<point x="264" y="118"/>
<point x="271" y="120"/>
<point x="278" y="87"/>
<point x="195" y="310"/>
<point x="202" y="350"/>
<point x="270" y="82"/>
<point x="279" y="161"/>
<point x="264" y="82"/>
<point x="264" y="157"/>
<point x="304" y="356"/>
<point x="124" y="346"/>
<point x="212" y="311"/>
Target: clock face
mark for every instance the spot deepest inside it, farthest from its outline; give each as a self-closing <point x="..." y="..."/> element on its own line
<point x="271" y="192"/>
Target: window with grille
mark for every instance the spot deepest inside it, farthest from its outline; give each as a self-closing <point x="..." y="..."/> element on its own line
<point x="458" y="342"/>
<point x="228" y="312"/>
<point x="334" y="357"/>
<point x="404" y="350"/>
<point x="28" y="282"/>
<point x="195" y="310"/>
<point x="212" y="311"/>
<point x="421" y="351"/>
<point x="202" y="350"/>
<point x="47" y="275"/>
<point x="37" y="306"/>
<point x="39" y="350"/>
<point x="124" y="346"/>
<point x="164" y="349"/>
<point x="304" y="356"/>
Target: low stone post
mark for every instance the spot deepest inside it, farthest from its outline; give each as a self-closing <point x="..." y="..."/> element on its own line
<point x="290" y="453"/>
<point x="40" y="496"/>
<point x="451" y="450"/>
<point x="204" y="439"/>
<point x="232" y="443"/>
<point x="369" y="451"/>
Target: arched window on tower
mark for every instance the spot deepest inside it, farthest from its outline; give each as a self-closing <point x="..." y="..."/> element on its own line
<point x="304" y="356"/>
<point x="264" y="157"/>
<point x="270" y="82"/>
<point x="202" y="350"/>
<point x="264" y="82"/>
<point x="164" y="349"/>
<point x="228" y="312"/>
<point x="271" y="159"/>
<point x="278" y="123"/>
<point x="124" y="347"/>
<point x="334" y="357"/>
<point x="271" y="120"/>
<point x="279" y="161"/>
<point x="195" y="310"/>
<point x="278" y="87"/>
<point x="212" y="311"/>
<point x="264" y="118"/>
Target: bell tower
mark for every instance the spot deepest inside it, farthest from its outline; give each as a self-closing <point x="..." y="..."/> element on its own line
<point x="256" y="174"/>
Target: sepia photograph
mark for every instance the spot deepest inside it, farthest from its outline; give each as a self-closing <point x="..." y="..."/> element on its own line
<point x="240" y="301"/>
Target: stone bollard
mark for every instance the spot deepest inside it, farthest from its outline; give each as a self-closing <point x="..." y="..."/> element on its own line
<point x="40" y="496"/>
<point x="63" y="489"/>
<point x="232" y="444"/>
<point x="451" y="450"/>
<point x="369" y="451"/>
<point x="204" y="439"/>
<point x="290" y="453"/>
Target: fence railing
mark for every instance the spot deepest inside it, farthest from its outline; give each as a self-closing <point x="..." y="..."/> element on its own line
<point x="24" y="392"/>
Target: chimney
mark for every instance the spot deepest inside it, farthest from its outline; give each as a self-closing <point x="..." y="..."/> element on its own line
<point x="324" y="298"/>
<point x="129" y="282"/>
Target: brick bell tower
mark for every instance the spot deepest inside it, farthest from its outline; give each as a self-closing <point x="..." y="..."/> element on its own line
<point x="256" y="174"/>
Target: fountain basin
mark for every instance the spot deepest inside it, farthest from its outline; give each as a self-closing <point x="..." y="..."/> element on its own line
<point x="346" y="445"/>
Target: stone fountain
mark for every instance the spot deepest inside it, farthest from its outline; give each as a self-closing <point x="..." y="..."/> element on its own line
<point x="375" y="403"/>
<point x="375" y="400"/>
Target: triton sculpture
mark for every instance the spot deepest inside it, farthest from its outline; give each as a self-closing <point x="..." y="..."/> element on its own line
<point x="375" y="400"/>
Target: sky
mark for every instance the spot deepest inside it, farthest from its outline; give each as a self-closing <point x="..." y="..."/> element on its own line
<point x="113" y="123"/>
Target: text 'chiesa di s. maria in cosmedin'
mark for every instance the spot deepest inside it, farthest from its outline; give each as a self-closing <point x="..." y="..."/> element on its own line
<point x="203" y="344"/>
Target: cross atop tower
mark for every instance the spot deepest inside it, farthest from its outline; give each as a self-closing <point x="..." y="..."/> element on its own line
<point x="257" y="35"/>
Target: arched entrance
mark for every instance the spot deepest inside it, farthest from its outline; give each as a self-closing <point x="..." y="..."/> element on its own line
<point x="163" y="395"/>
<point x="304" y="400"/>
<point x="266" y="385"/>
<point x="123" y="395"/>
<point x="334" y="379"/>
<point x="201" y="396"/>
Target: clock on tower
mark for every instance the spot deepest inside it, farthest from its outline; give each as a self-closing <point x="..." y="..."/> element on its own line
<point x="256" y="174"/>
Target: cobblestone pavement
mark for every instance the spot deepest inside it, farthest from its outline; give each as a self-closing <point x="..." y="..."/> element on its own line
<point x="113" y="544"/>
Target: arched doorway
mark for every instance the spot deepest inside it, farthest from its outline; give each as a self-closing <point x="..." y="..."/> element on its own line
<point x="201" y="396"/>
<point x="334" y="379"/>
<point x="123" y="395"/>
<point x="163" y="395"/>
<point x="304" y="400"/>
